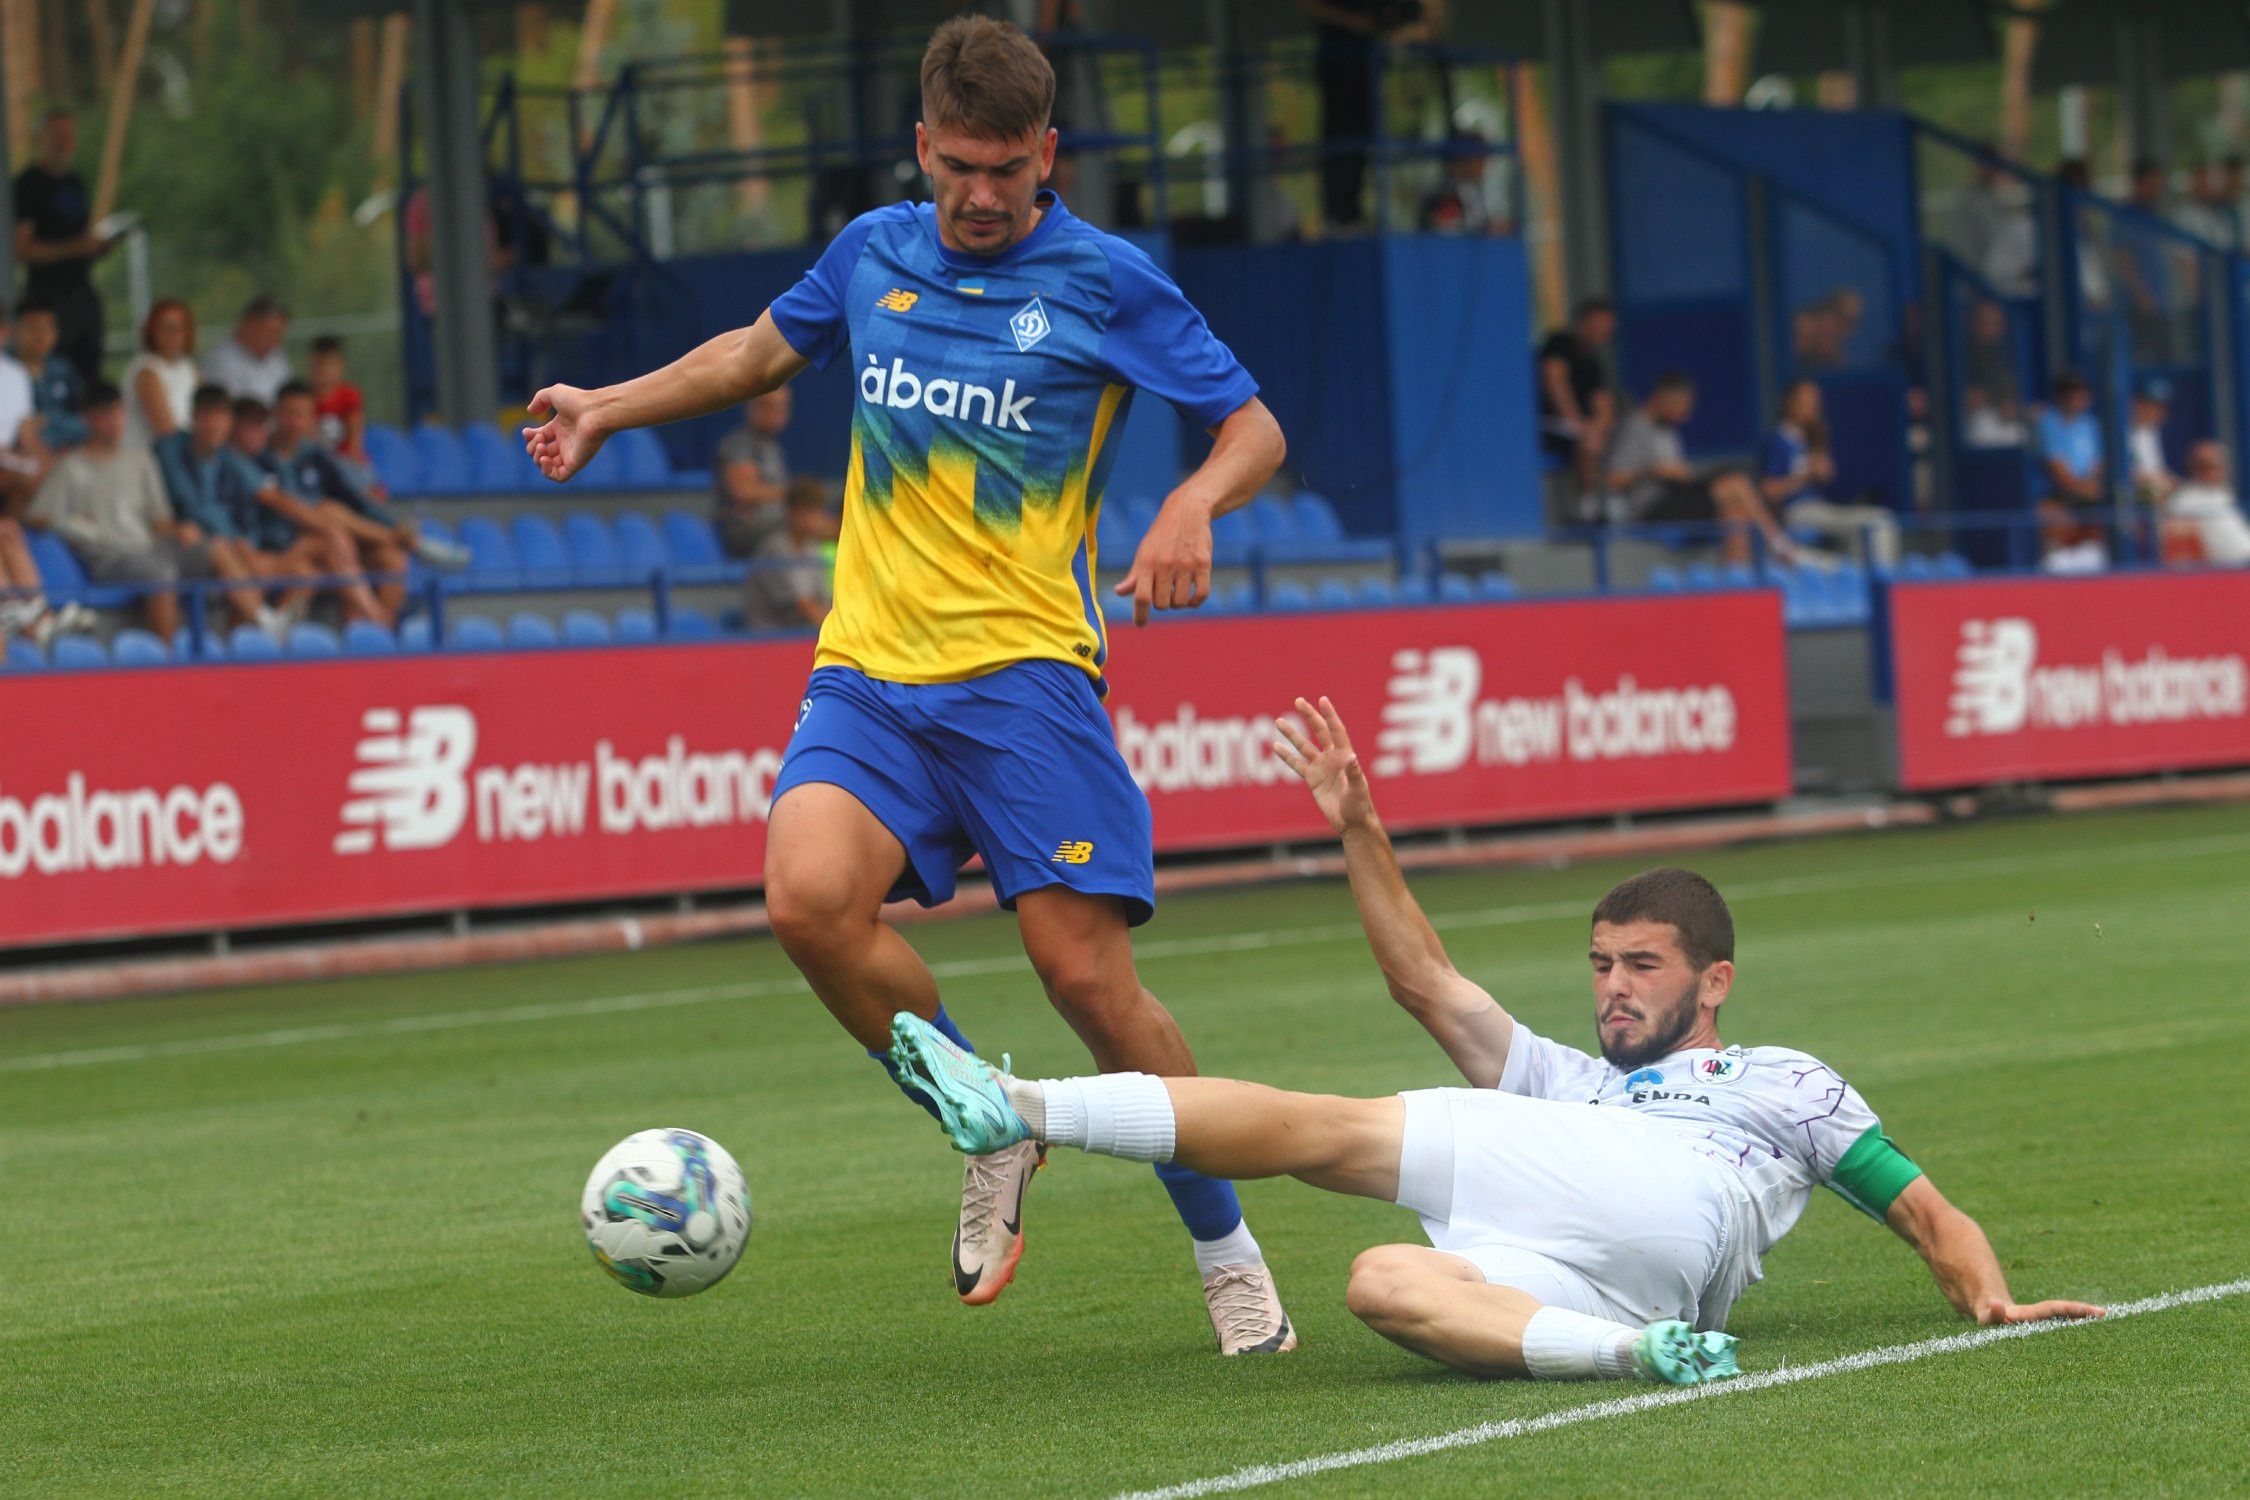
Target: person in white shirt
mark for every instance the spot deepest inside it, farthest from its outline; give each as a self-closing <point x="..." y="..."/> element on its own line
<point x="2153" y="479"/>
<point x="1569" y="1199"/>
<point x="160" y="381"/>
<point x="251" y="362"/>
<point x="2205" y="505"/>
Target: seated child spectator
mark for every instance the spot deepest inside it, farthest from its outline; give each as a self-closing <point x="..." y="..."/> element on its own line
<point x="750" y="476"/>
<point x="790" y="585"/>
<point x="57" y="391"/>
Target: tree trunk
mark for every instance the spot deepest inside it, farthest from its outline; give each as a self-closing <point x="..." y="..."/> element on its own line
<point x="744" y="129"/>
<point x="1542" y="229"/>
<point x="2018" y="43"/>
<point x="19" y="39"/>
<point x="121" y="99"/>
<point x="390" y="73"/>
<point x="1726" y="52"/>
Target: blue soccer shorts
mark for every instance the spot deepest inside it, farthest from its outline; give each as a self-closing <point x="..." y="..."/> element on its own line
<point x="1019" y="766"/>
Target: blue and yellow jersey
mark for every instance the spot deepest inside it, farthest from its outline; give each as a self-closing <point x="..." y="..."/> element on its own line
<point x="991" y="392"/>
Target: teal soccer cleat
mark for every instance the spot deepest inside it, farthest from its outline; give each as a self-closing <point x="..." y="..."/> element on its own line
<point x="1677" y="1355"/>
<point x="966" y="1089"/>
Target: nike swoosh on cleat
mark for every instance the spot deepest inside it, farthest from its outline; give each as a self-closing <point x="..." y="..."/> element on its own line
<point x="1272" y="1345"/>
<point x="1015" y="1225"/>
<point x="964" y="1281"/>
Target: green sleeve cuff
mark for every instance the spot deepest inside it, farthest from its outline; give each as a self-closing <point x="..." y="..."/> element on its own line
<point x="1873" y="1173"/>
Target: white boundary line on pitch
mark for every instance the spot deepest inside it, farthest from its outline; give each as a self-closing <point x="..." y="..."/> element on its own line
<point x="1235" y="942"/>
<point x="1492" y="1432"/>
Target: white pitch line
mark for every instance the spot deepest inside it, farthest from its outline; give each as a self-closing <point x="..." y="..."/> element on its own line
<point x="1233" y="942"/>
<point x="1764" y="1380"/>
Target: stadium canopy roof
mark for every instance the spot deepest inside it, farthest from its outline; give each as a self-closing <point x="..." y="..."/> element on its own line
<point x="1820" y="36"/>
<point x="2083" y="41"/>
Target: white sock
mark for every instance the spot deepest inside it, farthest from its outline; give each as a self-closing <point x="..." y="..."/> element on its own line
<point x="1116" y="1114"/>
<point x="1237" y="1247"/>
<point x="1559" y="1344"/>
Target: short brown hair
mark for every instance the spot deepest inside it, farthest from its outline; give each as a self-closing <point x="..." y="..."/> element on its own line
<point x="160" y="309"/>
<point x="1691" y="904"/>
<point x="986" y="77"/>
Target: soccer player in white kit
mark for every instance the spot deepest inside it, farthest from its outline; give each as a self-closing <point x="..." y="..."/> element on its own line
<point x="1588" y="1216"/>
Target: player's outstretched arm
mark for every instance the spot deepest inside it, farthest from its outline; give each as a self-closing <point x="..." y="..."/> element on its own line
<point x="1172" y="567"/>
<point x="1962" y="1262"/>
<point x="714" y="375"/>
<point x="1468" y="1023"/>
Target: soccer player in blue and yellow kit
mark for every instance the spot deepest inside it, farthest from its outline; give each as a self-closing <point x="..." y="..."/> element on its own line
<point x="954" y="709"/>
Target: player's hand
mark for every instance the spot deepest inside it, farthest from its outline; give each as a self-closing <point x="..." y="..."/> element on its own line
<point x="1322" y="756"/>
<point x="1998" y="1311"/>
<point x="1172" y="569"/>
<point x="563" y="444"/>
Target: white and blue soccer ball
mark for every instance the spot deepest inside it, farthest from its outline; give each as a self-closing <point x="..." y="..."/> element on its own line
<point x="666" y="1212"/>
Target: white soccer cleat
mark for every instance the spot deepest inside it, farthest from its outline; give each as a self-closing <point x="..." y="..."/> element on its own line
<point x="1246" y="1311"/>
<point x="989" y="1241"/>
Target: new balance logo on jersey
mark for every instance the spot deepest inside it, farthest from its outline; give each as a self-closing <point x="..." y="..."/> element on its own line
<point x="410" y="789"/>
<point x="1073" y="853"/>
<point x="898" y="299"/>
<point x="902" y="390"/>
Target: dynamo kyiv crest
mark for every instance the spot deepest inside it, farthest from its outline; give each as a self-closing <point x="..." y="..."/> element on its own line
<point x="1030" y="324"/>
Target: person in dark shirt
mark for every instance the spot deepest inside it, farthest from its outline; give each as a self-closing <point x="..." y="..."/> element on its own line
<point x="56" y="245"/>
<point x="1577" y="412"/>
<point x="1347" y="57"/>
<point x="57" y="391"/>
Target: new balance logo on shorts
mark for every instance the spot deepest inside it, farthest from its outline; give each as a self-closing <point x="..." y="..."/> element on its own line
<point x="1073" y="853"/>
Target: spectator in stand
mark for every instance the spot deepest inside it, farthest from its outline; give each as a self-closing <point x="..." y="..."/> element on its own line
<point x="750" y="476"/>
<point x="789" y="585"/>
<point x="24" y="458"/>
<point x="1795" y="470"/>
<point x="2205" y="509"/>
<point x="1460" y="204"/>
<point x="2236" y="197"/>
<point x="1990" y="394"/>
<point x="24" y="609"/>
<point x="2070" y="458"/>
<point x="340" y="406"/>
<point x="2207" y="212"/>
<point x="288" y="537"/>
<point x="1577" y="411"/>
<point x="251" y="362"/>
<point x="161" y="380"/>
<point x="55" y="245"/>
<point x="381" y="538"/>
<point x="2153" y="479"/>
<point x="1650" y="476"/>
<point x="106" y="501"/>
<point x="1347" y="58"/>
<point x="2144" y="270"/>
<point x="57" y="392"/>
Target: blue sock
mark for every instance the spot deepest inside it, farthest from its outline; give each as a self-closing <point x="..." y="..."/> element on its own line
<point x="1206" y="1205"/>
<point x="952" y="1033"/>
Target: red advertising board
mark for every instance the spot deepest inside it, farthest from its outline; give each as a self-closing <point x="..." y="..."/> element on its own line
<point x="184" y="798"/>
<point x="2041" y="678"/>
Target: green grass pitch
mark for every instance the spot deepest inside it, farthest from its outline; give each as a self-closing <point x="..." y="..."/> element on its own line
<point x="323" y="1239"/>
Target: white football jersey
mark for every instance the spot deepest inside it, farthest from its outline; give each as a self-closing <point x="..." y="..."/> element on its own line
<point x="1782" y="1119"/>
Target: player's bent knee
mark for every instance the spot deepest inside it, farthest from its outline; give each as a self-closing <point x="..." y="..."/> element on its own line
<point x="1388" y="1284"/>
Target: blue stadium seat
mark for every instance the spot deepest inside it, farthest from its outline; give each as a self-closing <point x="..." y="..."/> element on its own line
<point x="497" y="463"/>
<point x="1287" y="595"/>
<point x="1455" y="589"/>
<point x="644" y="463"/>
<point x="693" y="545"/>
<point x="1315" y="535"/>
<point x="475" y="633"/>
<point x="1270" y="520"/>
<point x="1737" y="576"/>
<point x="1115" y="610"/>
<point x="139" y="648"/>
<point x="527" y="631"/>
<point x="23" y="656"/>
<point x="1665" y="581"/>
<point x="582" y="627"/>
<point x="1137" y="511"/>
<point x="1231" y="601"/>
<point x="692" y="625"/>
<point x="1496" y="585"/>
<point x="1414" y="589"/>
<point x="73" y="651"/>
<point x="366" y="638"/>
<point x="1114" y="534"/>
<point x="1314" y="518"/>
<point x="309" y="640"/>
<point x="1950" y="565"/>
<point x="416" y="634"/>
<point x="1334" y="593"/>
<point x="65" y="578"/>
<point x="636" y="625"/>
<point x="606" y="470"/>
<point x="1377" y="592"/>
<point x="1913" y="567"/>
<point x="593" y="551"/>
<point x="1231" y="537"/>
<point x="1702" y="576"/>
<point x="214" y="648"/>
<point x="249" y="643"/>
<point x="444" y="463"/>
<point x="539" y="551"/>
<point x="639" y="548"/>
<point x="492" y="557"/>
<point x="396" y="462"/>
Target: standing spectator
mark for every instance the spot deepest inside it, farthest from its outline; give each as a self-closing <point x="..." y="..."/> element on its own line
<point x="2070" y="458"/>
<point x="251" y="361"/>
<point x="1650" y="474"/>
<point x="2153" y="479"/>
<point x="381" y="537"/>
<point x="1460" y="204"/>
<point x="1795" y="470"/>
<point x="2144" y="270"/>
<point x="788" y="586"/>
<point x="1577" y="412"/>
<point x="57" y="392"/>
<point x="1990" y="394"/>
<point x="2093" y="272"/>
<point x="287" y="537"/>
<point x="2206" y="509"/>
<point x="750" y="476"/>
<point x="106" y="501"/>
<point x="161" y="380"/>
<point x="1347" y="60"/>
<point x="54" y="242"/>
<point x="2207" y="212"/>
<point x="2236" y="197"/>
<point x="24" y="609"/>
